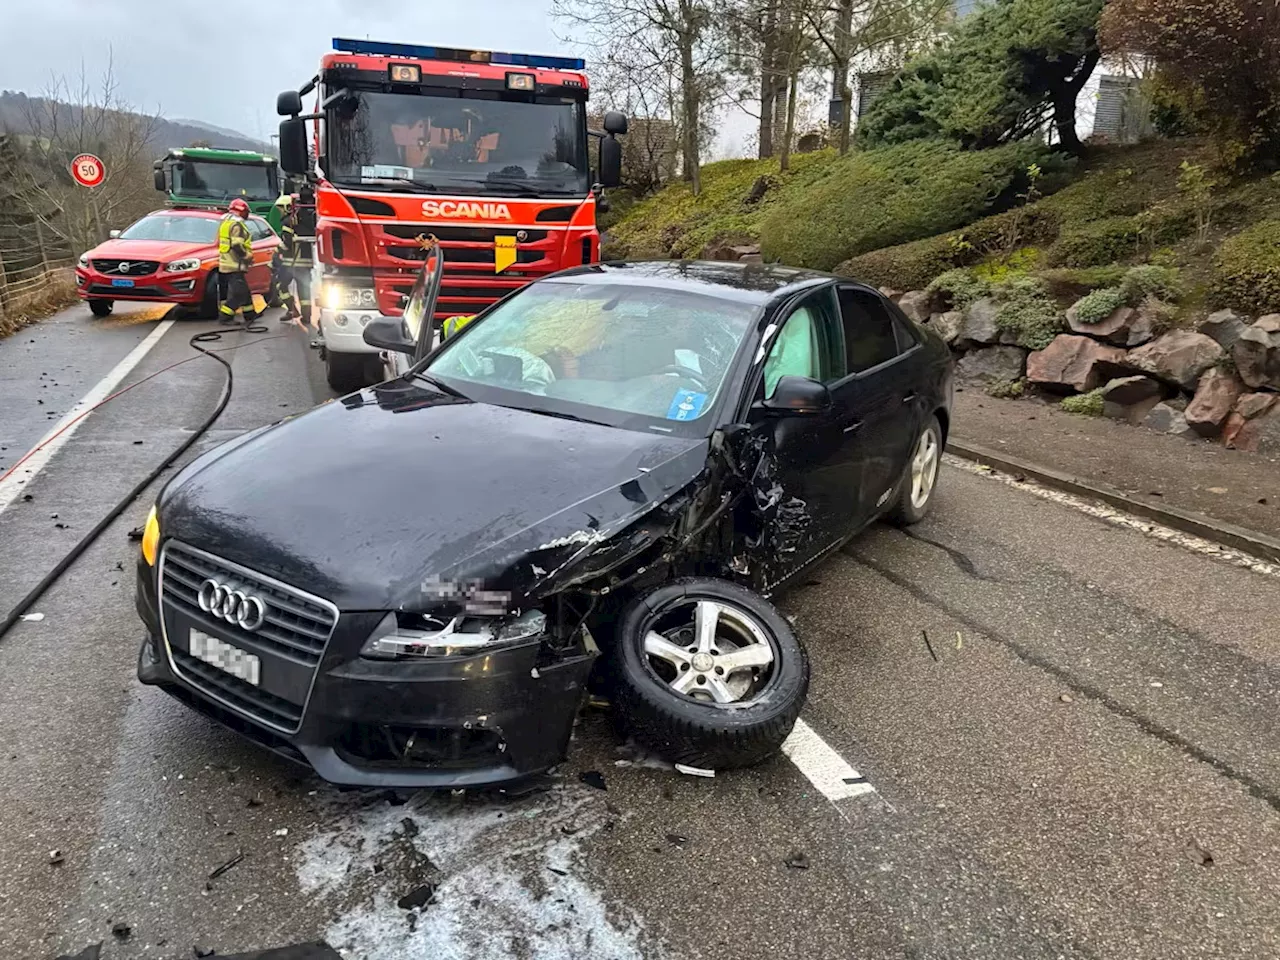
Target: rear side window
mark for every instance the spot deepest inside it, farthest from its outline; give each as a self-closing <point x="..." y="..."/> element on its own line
<point x="869" y="336"/>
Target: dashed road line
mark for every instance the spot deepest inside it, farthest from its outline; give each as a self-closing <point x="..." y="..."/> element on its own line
<point x="12" y="485"/>
<point x="829" y="772"/>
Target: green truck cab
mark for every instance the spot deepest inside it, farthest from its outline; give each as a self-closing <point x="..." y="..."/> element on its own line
<point x="214" y="176"/>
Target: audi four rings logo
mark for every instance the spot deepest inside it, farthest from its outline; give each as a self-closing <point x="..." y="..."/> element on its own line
<point x="234" y="606"/>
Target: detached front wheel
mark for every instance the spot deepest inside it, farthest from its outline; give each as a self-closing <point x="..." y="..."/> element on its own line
<point x="709" y="674"/>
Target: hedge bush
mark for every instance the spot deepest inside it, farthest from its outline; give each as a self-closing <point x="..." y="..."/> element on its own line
<point x="1028" y="312"/>
<point x="879" y="198"/>
<point x="1095" y="243"/>
<point x="1086" y="404"/>
<point x="1246" y="269"/>
<point x="1097" y="306"/>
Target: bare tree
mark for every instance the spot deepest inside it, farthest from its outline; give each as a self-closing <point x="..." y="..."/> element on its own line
<point x="82" y="116"/>
<point x="670" y="49"/>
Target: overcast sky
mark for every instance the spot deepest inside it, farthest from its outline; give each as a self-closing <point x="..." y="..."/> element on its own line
<point x="173" y="56"/>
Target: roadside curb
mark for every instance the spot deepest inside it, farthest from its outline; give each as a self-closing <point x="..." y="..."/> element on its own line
<point x="1228" y="535"/>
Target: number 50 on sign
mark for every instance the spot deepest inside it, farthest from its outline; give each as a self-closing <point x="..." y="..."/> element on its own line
<point x="87" y="170"/>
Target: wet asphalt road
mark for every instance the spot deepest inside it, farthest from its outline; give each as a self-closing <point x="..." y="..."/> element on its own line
<point x="1087" y="764"/>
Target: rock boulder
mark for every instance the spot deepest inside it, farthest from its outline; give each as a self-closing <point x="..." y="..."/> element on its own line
<point x="1249" y="407"/>
<point x="1225" y="327"/>
<point x="979" y="327"/>
<point x="1073" y="363"/>
<point x="993" y="364"/>
<point x="1216" y="394"/>
<point x="1113" y="328"/>
<point x="918" y="305"/>
<point x="1130" y="398"/>
<point x="947" y="325"/>
<point x="1179" y="357"/>
<point x="1166" y="419"/>
<point x="1259" y="435"/>
<point x="1257" y="353"/>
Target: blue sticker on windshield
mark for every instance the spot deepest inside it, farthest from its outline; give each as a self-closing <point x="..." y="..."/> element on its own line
<point x="686" y="405"/>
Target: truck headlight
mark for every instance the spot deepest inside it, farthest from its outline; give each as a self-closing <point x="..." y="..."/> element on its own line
<point x="151" y="538"/>
<point x="458" y="637"/>
<point x="338" y="296"/>
<point x="182" y="266"/>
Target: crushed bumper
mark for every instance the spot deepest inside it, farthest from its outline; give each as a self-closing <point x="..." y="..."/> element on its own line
<point x="473" y="721"/>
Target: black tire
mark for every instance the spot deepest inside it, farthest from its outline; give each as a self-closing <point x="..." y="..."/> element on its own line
<point x="701" y="733"/>
<point x="208" y="309"/>
<point x="348" y="372"/>
<point x="906" y="509"/>
<point x="101" y="308"/>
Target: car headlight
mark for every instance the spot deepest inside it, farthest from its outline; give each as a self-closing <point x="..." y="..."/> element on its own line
<point x="337" y="296"/>
<point x="151" y="538"/>
<point x="459" y="637"/>
<point x="182" y="266"/>
<point x="84" y="260"/>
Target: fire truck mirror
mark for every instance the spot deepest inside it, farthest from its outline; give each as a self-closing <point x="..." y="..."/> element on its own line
<point x="610" y="162"/>
<point x="615" y="123"/>
<point x="289" y="103"/>
<point x="293" y="146"/>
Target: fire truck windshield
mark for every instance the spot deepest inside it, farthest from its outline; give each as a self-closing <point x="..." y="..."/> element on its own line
<point x="445" y="143"/>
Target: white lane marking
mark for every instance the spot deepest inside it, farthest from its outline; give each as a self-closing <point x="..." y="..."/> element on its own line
<point x="829" y="772"/>
<point x="1121" y="519"/>
<point x="12" y="485"/>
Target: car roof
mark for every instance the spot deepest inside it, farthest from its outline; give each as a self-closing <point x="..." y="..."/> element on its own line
<point x="757" y="283"/>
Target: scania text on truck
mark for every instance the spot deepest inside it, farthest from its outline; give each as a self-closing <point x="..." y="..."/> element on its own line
<point x="487" y="151"/>
<point x="212" y="177"/>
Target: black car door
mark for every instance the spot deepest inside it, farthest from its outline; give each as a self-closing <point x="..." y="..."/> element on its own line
<point x="803" y="487"/>
<point x="879" y="397"/>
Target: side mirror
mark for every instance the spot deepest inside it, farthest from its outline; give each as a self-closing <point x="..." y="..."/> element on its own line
<point x="114" y="234"/>
<point x="289" y="103"/>
<point x="615" y="123"/>
<point x="389" y="333"/>
<point x="610" y="162"/>
<point x="158" y="175"/>
<point x="293" y="146"/>
<point x="798" y="397"/>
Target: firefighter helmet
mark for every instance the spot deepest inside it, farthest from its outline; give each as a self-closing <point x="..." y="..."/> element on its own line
<point x="239" y="207"/>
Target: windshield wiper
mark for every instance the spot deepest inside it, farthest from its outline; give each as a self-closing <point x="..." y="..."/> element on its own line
<point x="440" y="385"/>
<point x="561" y="416"/>
<point x="417" y="185"/>
<point x="524" y="186"/>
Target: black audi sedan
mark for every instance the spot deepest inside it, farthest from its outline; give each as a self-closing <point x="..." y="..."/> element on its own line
<point x="611" y="470"/>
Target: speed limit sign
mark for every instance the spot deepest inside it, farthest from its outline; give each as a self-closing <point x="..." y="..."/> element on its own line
<point x="87" y="170"/>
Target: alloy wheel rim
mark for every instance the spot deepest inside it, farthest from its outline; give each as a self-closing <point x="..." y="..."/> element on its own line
<point x="924" y="468"/>
<point x="711" y="652"/>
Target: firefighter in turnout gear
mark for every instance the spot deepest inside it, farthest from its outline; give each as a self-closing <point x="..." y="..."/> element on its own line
<point x="235" y="257"/>
<point x="283" y="220"/>
<point x="295" y="263"/>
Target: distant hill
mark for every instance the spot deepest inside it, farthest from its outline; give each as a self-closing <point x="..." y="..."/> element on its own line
<point x="168" y="133"/>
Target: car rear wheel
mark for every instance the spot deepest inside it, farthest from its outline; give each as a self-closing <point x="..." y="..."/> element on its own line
<point x="920" y="479"/>
<point x="101" y="308"/>
<point x="708" y="674"/>
<point x="347" y="372"/>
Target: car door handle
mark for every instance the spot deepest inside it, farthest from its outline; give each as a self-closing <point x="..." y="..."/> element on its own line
<point x="853" y="427"/>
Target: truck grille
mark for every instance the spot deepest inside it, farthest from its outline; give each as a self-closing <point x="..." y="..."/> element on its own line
<point x="291" y="640"/>
<point x="127" y="268"/>
<point x="445" y="234"/>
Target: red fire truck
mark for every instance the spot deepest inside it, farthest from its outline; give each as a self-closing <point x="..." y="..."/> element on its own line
<point x="487" y="151"/>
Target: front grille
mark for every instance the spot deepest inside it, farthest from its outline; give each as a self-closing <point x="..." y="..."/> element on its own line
<point x="245" y="697"/>
<point x="293" y="637"/>
<point x="131" y="268"/>
<point x="410" y="231"/>
<point x="482" y="255"/>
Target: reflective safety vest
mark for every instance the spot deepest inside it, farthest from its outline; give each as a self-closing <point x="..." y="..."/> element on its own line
<point x="235" y="246"/>
<point x="453" y="324"/>
<point x="297" y="253"/>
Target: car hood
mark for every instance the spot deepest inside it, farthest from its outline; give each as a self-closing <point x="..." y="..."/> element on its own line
<point x="162" y="250"/>
<point x="376" y="500"/>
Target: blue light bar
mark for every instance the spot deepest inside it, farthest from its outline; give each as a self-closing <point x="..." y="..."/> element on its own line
<point x="413" y="51"/>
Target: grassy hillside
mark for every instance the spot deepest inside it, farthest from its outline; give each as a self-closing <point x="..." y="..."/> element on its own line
<point x="900" y="217"/>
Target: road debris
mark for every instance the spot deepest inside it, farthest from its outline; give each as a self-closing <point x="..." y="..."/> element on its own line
<point x="224" y="867"/>
<point x="410" y="827"/>
<point x="677" y="839"/>
<point x="694" y="771"/>
<point x="797" y="861"/>
<point x="925" y="635"/>
<point x="121" y="930"/>
<point x="593" y="778"/>
<point x="419" y="896"/>
<point x="56" y="858"/>
<point x="91" y="952"/>
<point x="282" y="832"/>
<point x="1067" y="698"/>
<point x="1157" y="684"/>
<point x="135" y="533"/>
<point x="33" y="617"/>
<point x="1199" y="854"/>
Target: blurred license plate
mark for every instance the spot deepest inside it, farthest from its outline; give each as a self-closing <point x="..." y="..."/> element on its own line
<point x="118" y="282"/>
<point x="230" y="659"/>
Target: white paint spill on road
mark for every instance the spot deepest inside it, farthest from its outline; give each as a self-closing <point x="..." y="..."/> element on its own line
<point x="1121" y="519"/>
<point x="509" y="881"/>
<point x="12" y="485"/>
<point x="829" y="772"/>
